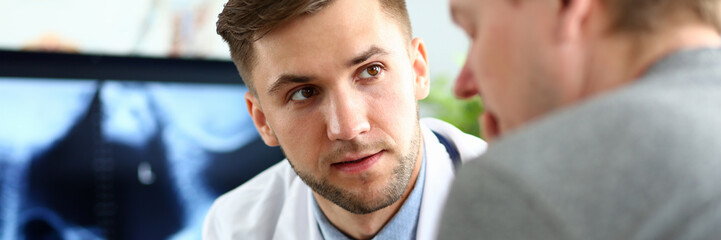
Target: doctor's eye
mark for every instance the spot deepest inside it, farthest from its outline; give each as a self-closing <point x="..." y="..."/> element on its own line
<point x="371" y="71"/>
<point x="303" y="94"/>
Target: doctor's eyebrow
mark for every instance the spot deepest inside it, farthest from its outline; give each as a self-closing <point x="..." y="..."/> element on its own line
<point x="372" y="51"/>
<point x="287" y="79"/>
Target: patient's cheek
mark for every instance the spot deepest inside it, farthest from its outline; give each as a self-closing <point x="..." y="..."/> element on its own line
<point x="489" y="126"/>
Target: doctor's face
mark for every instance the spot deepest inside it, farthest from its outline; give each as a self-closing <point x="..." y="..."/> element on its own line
<point x="338" y="91"/>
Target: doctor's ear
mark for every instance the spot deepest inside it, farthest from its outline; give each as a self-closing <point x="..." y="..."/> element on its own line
<point x="419" y="63"/>
<point x="258" y="116"/>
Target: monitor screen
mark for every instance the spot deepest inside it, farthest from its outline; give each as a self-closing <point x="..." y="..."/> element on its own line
<point x="129" y="158"/>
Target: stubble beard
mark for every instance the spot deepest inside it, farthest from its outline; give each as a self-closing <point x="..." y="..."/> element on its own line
<point x="389" y="194"/>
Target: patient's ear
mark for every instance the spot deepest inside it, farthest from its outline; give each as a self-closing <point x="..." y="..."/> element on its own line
<point x="258" y="116"/>
<point x="573" y="16"/>
<point x="419" y="61"/>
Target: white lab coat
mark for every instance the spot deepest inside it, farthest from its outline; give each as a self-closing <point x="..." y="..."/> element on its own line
<point x="277" y="204"/>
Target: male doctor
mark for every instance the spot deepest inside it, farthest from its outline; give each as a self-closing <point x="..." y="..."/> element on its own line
<point x="336" y="83"/>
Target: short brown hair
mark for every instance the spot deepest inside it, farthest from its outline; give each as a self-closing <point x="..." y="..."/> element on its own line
<point x="643" y="15"/>
<point x="242" y="22"/>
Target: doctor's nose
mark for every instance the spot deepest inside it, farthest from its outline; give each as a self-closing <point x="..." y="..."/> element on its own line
<point x="346" y="118"/>
<point x="465" y="86"/>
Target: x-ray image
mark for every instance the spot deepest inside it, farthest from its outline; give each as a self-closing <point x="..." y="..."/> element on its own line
<point x="91" y="159"/>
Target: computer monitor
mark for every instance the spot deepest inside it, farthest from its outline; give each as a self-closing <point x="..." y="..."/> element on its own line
<point x="109" y="147"/>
